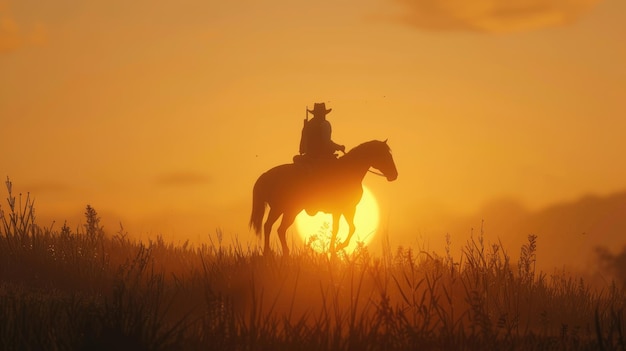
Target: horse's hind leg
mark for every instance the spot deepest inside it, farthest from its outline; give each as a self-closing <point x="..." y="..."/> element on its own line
<point x="286" y="222"/>
<point x="267" y="229"/>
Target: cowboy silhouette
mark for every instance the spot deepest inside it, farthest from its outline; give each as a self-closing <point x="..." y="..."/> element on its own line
<point x="316" y="143"/>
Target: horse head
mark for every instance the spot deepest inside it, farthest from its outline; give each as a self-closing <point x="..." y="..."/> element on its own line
<point x="385" y="163"/>
<point x="378" y="156"/>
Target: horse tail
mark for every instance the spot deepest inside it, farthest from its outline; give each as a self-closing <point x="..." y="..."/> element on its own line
<point x="258" y="206"/>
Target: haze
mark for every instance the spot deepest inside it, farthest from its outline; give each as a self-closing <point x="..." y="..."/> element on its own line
<point x="161" y="115"/>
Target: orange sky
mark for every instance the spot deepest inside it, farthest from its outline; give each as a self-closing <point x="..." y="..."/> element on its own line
<point x="161" y="115"/>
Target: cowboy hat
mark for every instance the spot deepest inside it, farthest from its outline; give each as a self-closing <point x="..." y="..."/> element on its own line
<point x="319" y="109"/>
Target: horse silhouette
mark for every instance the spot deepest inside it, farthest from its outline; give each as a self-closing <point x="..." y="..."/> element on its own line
<point x="334" y="188"/>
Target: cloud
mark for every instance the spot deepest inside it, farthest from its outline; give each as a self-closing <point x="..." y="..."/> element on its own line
<point x="493" y="16"/>
<point x="183" y="178"/>
<point x="47" y="187"/>
<point x="13" y="36"/>
<point x="10" y="37"/>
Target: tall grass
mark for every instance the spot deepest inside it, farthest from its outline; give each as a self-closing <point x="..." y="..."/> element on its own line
<point x="86" y="289"/>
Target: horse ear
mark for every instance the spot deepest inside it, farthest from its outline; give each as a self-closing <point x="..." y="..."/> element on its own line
<point x="385" y="141"/>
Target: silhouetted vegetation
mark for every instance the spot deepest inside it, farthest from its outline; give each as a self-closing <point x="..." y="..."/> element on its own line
<point x="86" y="289"/>
<point x="613" y="264"/>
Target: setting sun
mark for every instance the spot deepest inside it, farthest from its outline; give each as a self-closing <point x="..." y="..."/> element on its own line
<point x="317" y="229"/>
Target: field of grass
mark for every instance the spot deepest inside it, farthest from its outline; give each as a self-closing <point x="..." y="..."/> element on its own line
<point x="84" y="289"/>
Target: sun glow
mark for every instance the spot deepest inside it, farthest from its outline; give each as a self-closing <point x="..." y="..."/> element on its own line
<point x="316" y="230"/>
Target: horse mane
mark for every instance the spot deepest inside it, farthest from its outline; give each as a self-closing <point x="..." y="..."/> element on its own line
<point x="368" y="147"/>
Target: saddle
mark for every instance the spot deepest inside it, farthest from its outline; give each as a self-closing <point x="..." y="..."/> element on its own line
<point x="316" y="171"/>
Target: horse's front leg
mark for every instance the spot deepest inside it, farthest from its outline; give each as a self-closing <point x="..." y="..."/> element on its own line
<point x="333" y="235"/>
<point x="349" y="216"/>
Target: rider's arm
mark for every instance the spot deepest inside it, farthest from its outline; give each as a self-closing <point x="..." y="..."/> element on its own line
<point x="327" y="136"/>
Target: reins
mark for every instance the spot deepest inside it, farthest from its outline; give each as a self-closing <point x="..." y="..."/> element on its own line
<point x="369" y="170"/>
